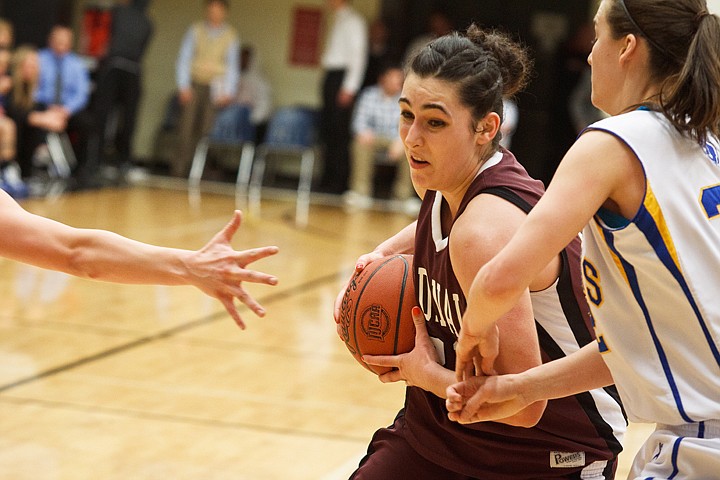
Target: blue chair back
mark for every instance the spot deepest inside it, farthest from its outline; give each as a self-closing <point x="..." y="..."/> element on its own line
<point x="232" y="125"/>
<point x="292" y="128"/>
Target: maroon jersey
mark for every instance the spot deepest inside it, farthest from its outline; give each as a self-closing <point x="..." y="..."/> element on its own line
<point x="575" y="433"/>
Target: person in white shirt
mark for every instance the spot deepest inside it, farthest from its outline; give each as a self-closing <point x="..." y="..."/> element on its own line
<point x="344" y="61"/>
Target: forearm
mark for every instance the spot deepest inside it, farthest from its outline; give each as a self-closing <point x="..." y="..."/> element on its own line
<point x="110" y="257"/>
<point x="490" y="297"/>
<point x="106" y="256"/>
<point x="438" y="379"/>
<point x="579" y="372"/>
<point x="401" y="242"/>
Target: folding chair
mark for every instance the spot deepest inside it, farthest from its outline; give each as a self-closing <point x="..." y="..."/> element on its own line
<point x="291" y="133"/>
<point x="232" y="129"/>
<point x="62" y="155"/>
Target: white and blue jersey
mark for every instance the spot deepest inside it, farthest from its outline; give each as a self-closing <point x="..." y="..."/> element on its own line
<point x="653" y="284"/>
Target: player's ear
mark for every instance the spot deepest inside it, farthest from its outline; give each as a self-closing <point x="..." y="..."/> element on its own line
<point x="487" y="128"/>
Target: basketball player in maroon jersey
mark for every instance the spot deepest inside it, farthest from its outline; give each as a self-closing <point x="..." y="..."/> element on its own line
<point x="475" y="195"/>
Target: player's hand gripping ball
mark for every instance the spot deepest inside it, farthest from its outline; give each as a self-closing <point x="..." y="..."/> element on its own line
<point x="375" y="315"/>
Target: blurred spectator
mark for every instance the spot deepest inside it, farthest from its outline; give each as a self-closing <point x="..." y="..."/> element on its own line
<point x="379" y="52"/>
<point x="438" y="24"/>
<point x="5" y="79"/>
<point x="511" y="116"/>
<point x="344" y="61"/>
<point x="64" y="86"/>
<point x="32" y="118"/>
<point x="6" y="34"/>
<point x="582" y="111"/>
<point x="8" y="134"/>
<point x="255" y="91"/>
<point x="375" y="130"/>
<point x="207" y="78"/>
<point x="570" y="63"/>
<point x="119" y="80"/>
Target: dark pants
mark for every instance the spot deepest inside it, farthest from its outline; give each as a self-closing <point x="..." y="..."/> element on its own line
<point x="335" y="135"/>
<point x="119" y="92"/>
<point x="28" y="139"/>
<point x="82" y="132"/>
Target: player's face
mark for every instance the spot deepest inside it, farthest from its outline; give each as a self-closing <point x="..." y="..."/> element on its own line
<point x="437" y="131"/>
<point x="605" y="62"/>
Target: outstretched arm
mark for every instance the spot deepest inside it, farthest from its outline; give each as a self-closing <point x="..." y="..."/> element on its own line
<point x="216" y="269"/>
<point x="598" y="170"/>
<point x="491" y="398"/>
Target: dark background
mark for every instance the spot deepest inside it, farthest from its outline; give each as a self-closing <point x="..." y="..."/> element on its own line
<point x="544" y="131"/>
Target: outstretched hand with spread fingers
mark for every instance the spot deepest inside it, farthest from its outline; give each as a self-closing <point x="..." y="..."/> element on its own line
<point x="219" y="270"/>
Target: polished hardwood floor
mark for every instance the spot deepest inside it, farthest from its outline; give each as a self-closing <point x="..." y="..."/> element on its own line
<point x="102" y="381"/>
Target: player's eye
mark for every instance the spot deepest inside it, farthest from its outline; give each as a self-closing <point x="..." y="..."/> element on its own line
<point x="435" y="123"/>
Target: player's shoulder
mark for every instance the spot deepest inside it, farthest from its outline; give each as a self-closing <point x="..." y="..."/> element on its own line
<point x="486" y="225"/>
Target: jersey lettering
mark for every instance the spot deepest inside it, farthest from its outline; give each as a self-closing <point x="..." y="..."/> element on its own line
<point x="710" y="199"/>
<point x="592" y="283"/>
<point x="712" y="153"/>
<point x="437" y="303"/>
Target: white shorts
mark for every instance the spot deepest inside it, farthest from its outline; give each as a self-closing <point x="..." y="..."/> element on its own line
<point x="680" y="452"/>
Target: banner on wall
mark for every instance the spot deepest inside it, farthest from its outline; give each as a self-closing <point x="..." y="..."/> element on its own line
<point x="95" y="34"/>
<point x="305" y="40"/>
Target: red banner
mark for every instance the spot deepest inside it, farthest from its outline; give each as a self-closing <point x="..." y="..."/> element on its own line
<point x="305" y="48"/>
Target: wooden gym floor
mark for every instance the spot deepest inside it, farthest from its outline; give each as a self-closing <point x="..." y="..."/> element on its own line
<point x="101" y="381"/>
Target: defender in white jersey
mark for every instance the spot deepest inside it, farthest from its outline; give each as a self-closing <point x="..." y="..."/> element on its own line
<point x="656" y="269"/>
<point x="645" y="187"/>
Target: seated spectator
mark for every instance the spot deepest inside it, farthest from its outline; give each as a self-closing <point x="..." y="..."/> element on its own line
<point x="64" y="85"/>
<point x="32" y="119"/>
<point x="254" y="91"/>
<point x="375" y="134"/>
<point x="8" y="138"/>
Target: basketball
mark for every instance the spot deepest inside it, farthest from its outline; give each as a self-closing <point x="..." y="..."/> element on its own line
<point x="375" y="314"/>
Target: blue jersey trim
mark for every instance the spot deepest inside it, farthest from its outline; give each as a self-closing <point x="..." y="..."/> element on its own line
<point x="675" y="450"/>
<point x="635" y="287"/>
<point x="649" y="228"/>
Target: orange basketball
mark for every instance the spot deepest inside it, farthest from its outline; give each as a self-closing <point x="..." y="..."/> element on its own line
<point x="375" y="315"/>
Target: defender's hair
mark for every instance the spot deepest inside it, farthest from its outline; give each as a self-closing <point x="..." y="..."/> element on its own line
<point x="684" y="42"/>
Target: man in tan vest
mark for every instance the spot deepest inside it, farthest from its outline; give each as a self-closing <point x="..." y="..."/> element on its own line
<point x="207" y="78"/>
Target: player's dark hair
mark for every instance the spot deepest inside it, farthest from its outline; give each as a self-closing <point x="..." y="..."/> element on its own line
<point x="484" y="65"/>
<point x="684" y="42"/>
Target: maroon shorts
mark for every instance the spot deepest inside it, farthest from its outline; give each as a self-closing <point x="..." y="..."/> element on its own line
<point x="390" y="457"/>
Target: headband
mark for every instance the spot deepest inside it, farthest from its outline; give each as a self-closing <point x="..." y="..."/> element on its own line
<point x="640" y="30"/>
